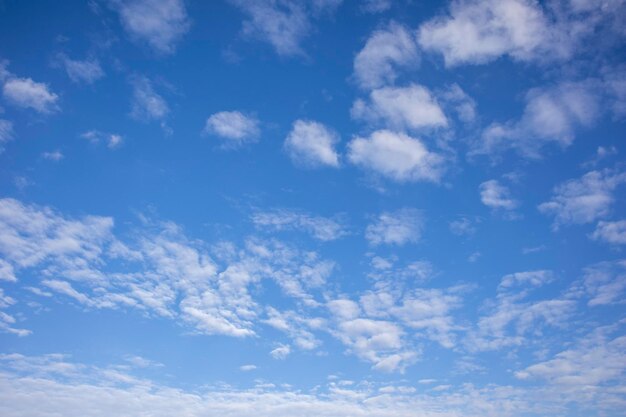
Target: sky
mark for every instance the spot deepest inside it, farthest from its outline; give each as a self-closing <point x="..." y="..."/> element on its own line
<point x="321" y="208"/>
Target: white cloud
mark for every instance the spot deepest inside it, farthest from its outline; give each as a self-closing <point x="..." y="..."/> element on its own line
<point x="281" y="352"/>
<point x="312" y="145"/>
<point x="53" y="155"/>
<point x="247" y="368"/>
<point x="6" y="131"/>
<point x="163" y="272"/>
<point x="591" y="371"/>
<point x="321" y="228"/>
<point x="412" y="107"/>
<point x="397" y="156"/>
<point x="26" y="93"/>
<point x="85" y="71"/>
<point x="385" y="52"/>
<point x="235" y="128"/>
<point x="551" y="115"/>
<point x="112" y="140"/>
<point x="281" y="23"/>
<point x="611" y="232"/>
<point x="605" y="283"/>
<point x="583" y="200"/>
<point x="511" y="319"/>
<point x="496" y="196"/>
<point x="146" y="103"/>
<point x="54" y="384"/>
<point x="160" y="24"/>
<point x="464" y="226"/>
<point x="477" y="32"/>
<point x="396" y="228"/>
<point x="460" y="101"/>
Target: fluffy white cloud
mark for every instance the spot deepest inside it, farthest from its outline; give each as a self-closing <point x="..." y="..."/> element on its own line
<point x="495" y="195"/>
<point x="476" y="32"/>
<point x="235" y="128"/>
<point x="460" y="101"/>
<point x="551" y="115"/>
<point x="322" y="228"/>
<point x="396" y="228"/>
<point x="312" y="145"/>
<point x="611" y="232"/>
<point x="86" y="71"/>
<point x="159" y="23"/>
<point x="464" y="226"/>
<point x="386" y="51"/>
<point x="397" y="156"/>
<point x="146" y="103"/>
<point x="412" y="107"/>
<point x="583" y="200"/>
<point x="281" y="352"/>
<point x="26" y="93"/>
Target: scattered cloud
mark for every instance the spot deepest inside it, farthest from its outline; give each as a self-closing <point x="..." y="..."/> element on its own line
<point x="397" y="156"/>
<point x="412" y="107"/>
<point x="160" y="24"/>
<point x="496" y="196"/>
<point x="146" y="103"/>
<point x="396" y="228"/>
<point x="551" y="115"/>
<point x="53" y="155"/>
<point x="234" y="128"/>
<point x="28" y="94"/>
<point x="321" y="228"/>
<point x="611" y="232"/>
<point x="477" y="32"/>
<point x="86" y="71"/>
<point x="312" y="145"/>
<point x="385" y="52"/>
<point x="112" y="140"/>
<point x="583" y="200"/>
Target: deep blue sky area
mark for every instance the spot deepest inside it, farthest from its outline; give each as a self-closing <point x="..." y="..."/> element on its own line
<point x="312" y="208"/>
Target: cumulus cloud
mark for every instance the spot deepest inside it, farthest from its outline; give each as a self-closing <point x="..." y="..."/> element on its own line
<point x="583" y="200"/>
<point x="321" y="228"/>
<point x="281" y="352"/>
<point x="233" y="127"/>
<point x="146" y="103"/>
<point x="312" y="145"/>
<point x="611" y="232"/>
<point x="411" y="107"/>
<point x="496" y="196"/>
<point x="160" y="24"/>
<point x="385" y="52"/>
<point x="81" y="71"/>
<point x="397" y="156"/>
<point x="476" y="32"/>
<point x="396" y="228"/>
<point x="28" y="94"/>
<point x="551" y="115"/>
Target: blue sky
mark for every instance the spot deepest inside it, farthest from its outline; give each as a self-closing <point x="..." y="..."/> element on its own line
<point x="312" y="207"/>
